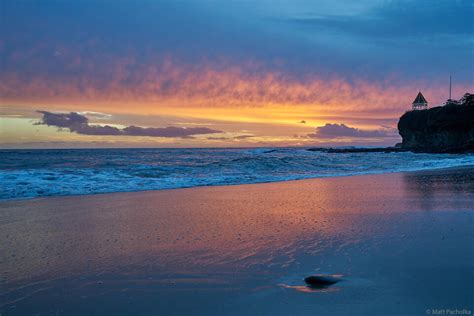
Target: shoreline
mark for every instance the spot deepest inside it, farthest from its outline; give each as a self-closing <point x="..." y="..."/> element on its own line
<point x="429" y="170"/>
<point x="203" y="249"/>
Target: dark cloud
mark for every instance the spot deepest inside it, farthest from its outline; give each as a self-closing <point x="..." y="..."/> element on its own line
<point x="342" y="130"/>
<point x="404" y="21"/>
<point x="99" y="44"/>
<point x="63" y="119"/>
<point x="80" y="124"/>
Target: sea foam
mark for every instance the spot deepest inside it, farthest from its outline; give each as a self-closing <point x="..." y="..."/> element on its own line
<point x="35" y="173"/>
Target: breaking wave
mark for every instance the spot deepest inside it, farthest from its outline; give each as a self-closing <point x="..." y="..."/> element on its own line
<point x="35" y="173"/>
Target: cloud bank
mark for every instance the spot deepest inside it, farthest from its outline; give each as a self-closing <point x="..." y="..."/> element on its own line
<point x="171" y="84"/>
<point x="326" y="52"/>
<point x="80" y="124"/>
<point x="342" y="130"/>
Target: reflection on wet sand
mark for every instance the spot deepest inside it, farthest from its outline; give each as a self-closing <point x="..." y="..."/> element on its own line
<point x="309" y="289"/>
<point x="428" y="188"/>
<point x="205" y="242"/>
<point x="182" y="230"/>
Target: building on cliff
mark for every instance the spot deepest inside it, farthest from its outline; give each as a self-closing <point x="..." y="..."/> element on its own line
<point x="440" y="129"/>
<point x="420" y="102"/>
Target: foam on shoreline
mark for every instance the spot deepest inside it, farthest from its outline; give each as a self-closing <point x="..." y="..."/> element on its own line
<point x="29" y="174"/>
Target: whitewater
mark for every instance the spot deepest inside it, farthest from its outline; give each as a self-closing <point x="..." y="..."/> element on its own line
<point x="38" y="173"/>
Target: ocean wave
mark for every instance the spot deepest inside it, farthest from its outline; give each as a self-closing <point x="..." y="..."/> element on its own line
<point x="35" y="173"/>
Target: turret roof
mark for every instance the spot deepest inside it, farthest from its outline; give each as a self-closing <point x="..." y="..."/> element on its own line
<point x="420" y="99"/>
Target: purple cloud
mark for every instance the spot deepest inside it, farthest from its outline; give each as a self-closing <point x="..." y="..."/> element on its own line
<point x="80" y="124"/>
<point x="342" y="130"/>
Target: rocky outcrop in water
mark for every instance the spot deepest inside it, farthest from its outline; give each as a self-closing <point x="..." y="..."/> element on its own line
<point x="442" y="129"/>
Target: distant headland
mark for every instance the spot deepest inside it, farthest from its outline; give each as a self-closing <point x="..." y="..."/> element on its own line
<point x="442" y="129"/>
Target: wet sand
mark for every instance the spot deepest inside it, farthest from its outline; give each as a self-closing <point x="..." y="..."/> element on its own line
<point x="402" y="242"/>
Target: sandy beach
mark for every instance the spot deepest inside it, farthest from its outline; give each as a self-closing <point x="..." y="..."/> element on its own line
<point x="401" y="242"/>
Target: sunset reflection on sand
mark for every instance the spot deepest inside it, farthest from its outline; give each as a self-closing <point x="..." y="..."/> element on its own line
<point x="247" y="240"/>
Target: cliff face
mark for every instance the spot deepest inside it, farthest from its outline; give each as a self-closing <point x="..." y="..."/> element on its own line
<point x="443" y="129"/>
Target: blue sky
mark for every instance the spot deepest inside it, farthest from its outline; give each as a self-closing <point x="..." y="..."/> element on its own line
<point x="369" y="38"/>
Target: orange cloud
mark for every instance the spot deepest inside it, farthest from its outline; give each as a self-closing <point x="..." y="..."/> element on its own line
<point x="246" y="93"/>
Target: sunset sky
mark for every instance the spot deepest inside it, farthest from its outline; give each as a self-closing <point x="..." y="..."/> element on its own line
<point x="154" y="73"/>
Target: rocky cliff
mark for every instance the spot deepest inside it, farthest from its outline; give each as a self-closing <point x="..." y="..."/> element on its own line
<point x="442" y="129"/>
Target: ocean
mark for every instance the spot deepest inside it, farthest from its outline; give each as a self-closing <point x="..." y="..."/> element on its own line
<point x="37" y="173"/>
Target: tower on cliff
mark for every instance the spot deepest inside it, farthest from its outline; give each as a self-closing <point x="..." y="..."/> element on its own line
<point x="420" y="102"/>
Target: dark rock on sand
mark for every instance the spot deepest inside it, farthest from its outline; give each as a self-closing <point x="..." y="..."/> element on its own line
<point x="321" y="280"/>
